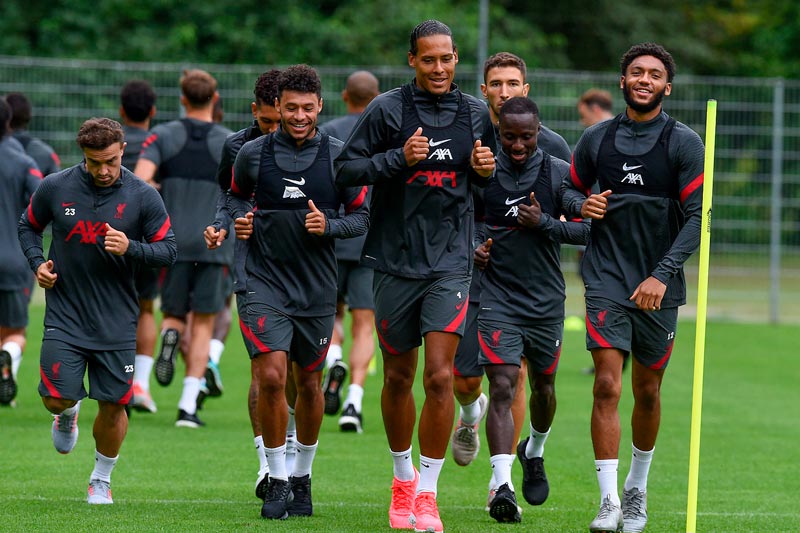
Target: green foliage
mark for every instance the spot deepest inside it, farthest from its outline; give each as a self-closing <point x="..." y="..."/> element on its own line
<point x="709" y="36"/>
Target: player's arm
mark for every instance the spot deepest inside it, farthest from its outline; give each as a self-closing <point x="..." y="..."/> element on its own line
<point x="355" y="222"/>
<point x="365" y="158"/>
<point x="562" y="229"/>
<point x="482" y="161"/>
<point x="688" y="151"/>
<point x="159" y="248"/>
<point x="243" y="179"/>
<point x="217" y="231"/>
<point x="149" y="159"/>
<point x="576" y="193"/>
<point x="31" y="225"/>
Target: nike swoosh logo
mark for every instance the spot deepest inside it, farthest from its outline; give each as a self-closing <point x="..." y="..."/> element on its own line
<point x="434" y="144"/>
<point x="626" y="168"/>
<point x="515" y="200"/>
<point x="301" y="181"/>
<point x="67" y="204"/>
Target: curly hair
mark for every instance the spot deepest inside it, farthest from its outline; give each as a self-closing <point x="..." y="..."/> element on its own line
<point x="649" y="49"/>
<point x="137" y="98"/>
<point x="301" y="79"/>
<point x="266" y="90"/>
<point x="100" y="133"/>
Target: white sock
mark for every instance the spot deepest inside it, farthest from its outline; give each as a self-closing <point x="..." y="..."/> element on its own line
<point x="501" y="469"/>
<point x="355" y="393"/>
<point x="71" y="411"/>
<point x="429" y="470"/>
<point x="276" y="458"/>
<point x="334" y="354"/>
<point x="470" y="413"/>
<point x="262" y="458"/>
<point x="492" y="481"/>
<point x="535" y="446"/>
<point x="188" y="401"/>
<point x="291" y="427"/>
<point x="102" y="467"/>
<point x="640" y="466"/>
<point x="15" y="351"/>
<point x="215" y="348"/>
<point x="305" y="458"/>
<point x="403" y="467"/>
<point x="141" y="370"/>
<point x="607" y="478"/>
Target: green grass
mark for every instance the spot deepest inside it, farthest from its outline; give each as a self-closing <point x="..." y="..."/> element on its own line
<point x="170" y="479"/>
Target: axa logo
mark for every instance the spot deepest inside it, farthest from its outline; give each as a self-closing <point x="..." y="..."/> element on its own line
<point x="513" y="211"/>
<point x="88" y="231"/>
<point x="633" y="178"/>
<point x="293" y="192"/>
<point x="441" y="154"/>
<point x="434" y="178"/>
<point x="120" y="210"/>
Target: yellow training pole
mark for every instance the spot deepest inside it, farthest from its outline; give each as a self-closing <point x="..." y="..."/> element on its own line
<point x="702" y="299"/>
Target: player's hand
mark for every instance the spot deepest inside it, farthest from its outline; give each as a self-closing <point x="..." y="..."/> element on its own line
<point x="45" y="275"/>
<point x="416" y="148"/>
<point x="530" y="215"/>
<point x="315" y="220"/>
<point x="243" y="226"/>
<point x="596" y="205"/>
<point x="482" y="159"/>
<point x="214" y="238"/>
<point x="481" y="254"/>
<point x="648" y="294"/>
<point x="115" y="241"/>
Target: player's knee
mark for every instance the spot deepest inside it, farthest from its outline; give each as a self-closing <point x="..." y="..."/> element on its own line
<point x="438" y="382"/>
<point x="606" y="389"/>
<point x="57" y="405"/>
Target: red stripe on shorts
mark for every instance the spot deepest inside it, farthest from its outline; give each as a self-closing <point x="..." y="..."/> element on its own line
<point x="488" y="352"/>
<point x="595" y="335"/>
<point x="48" y="384"/>
<point x="248" y="333"/>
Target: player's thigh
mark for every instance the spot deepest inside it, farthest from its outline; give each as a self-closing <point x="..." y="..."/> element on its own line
<point x="310" y="341"/>
<point x="608" y="325"/>
<point x="500" y="343"/>
<point x="14" y="308"/>
<point x="251" y="343"/>
<point x="208" y="288"/>
<point x="543" y="347"/>
<point x="654" y="336"/>
<point x="359" y="288"/>
<point x="466" y="362"/>
<point x="398" y="303"/>
<point x="445" y="305"/>
<point x="176" y="289"/>
<point x="267" y="328"/>
<point x="111" y="375"/>
<point x="61" y="370"/>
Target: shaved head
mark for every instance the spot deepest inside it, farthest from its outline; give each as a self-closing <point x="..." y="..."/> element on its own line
<point x="361" y="88"/>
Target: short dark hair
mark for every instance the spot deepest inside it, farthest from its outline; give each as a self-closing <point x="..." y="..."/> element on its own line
<point x="426" y="29"/>
<point x="504" y="59"/>
<point x="649" y="49"/>
<point x="266" y="90"/>
<point x="99" y="133"/>
<point x="519" y="105"/>
<point x="137" y="98"/>
<point x="598" y="97"/>
<point x="5" y="117"/>
<point x="198" y="86"/>
<point x="300" y="78"/>
<point x="20" y="110"/>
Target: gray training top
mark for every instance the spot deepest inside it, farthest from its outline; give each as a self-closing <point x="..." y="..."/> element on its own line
<point x="655" y="172"/>
<point x="19" y="178"/>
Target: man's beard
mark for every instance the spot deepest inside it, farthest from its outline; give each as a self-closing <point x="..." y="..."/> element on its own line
<point x="643" y="108"/>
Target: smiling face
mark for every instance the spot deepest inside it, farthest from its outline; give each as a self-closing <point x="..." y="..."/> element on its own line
<point x="434" y="63"/>
<point x="644" y="87"/>
<point x="299" y="112"/>
<point x="518" y="136"/>
<point x="104" y="164"/>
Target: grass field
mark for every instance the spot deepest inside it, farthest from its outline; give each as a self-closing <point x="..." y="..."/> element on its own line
<point x="170" y="479"/>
